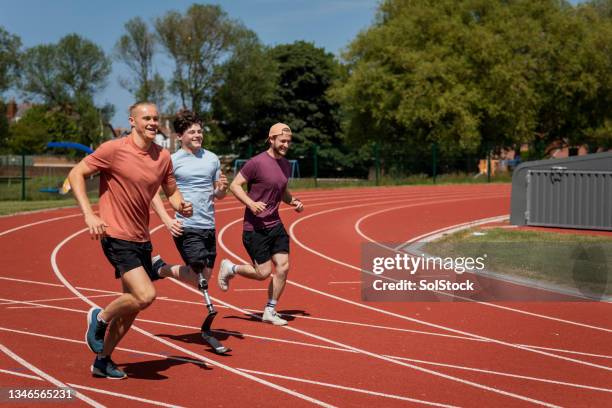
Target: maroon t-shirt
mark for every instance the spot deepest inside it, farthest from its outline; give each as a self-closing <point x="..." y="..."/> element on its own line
<point x="266" y="182"/>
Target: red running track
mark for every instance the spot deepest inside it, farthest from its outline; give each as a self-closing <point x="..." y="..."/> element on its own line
<point x="336" y="351"/>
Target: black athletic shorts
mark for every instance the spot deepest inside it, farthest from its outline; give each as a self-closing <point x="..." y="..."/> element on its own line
<point x="197" y="247"/>
<point x="128" y="255"/>
<point x="263" y="243"/>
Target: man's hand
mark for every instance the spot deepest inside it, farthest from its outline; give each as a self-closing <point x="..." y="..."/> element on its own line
<point x="258" y="207"/>
<point x="185" y="209"/>
<point x="299" y="207"/>
<point x="175" y="227"/>
<point x="97" y="227"/>
<point x="222" y="186"/>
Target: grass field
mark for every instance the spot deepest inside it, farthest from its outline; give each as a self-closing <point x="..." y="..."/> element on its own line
<point x="572" y="261"/>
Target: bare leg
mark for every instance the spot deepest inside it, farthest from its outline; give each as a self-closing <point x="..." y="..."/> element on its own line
<point x="257" y="272"/>
<point x="279" y="277"/>
<point x="138" y="294"/>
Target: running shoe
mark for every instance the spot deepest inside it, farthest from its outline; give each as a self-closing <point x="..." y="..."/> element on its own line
<point x="225" y="274"/>
<point x="105" y="367"/>
<point x="94" y="336"/>
<point x="270" y="316"/>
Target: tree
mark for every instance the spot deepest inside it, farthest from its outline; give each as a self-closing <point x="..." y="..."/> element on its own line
<point x="64" y="72"/>
<point x="197" y="42"/>
<point x="249" y="84"/>
<point x="472" y="74"/>
<point x="9" y="58"/>
<point x="136" y="49"/>
<point x="39" y="126"/>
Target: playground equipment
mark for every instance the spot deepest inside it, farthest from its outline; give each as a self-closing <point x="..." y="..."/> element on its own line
<point x="65" y="187"/>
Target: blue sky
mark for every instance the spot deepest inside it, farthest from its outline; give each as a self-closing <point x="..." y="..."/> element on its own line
<point x="331" y="24"/>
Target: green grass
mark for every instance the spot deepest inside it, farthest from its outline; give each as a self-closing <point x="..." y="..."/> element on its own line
<point x="569" y="260"/>
<point x="12" y="207"/>
<point x="11" y="190"/>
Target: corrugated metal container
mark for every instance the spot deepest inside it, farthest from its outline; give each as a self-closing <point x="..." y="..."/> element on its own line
<point x="560" y="197"/>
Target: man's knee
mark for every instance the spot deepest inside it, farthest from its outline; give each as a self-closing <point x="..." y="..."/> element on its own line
<point x="263" y="271"/>
<point x="282" y="270"/>
<point x="144" y="298"/>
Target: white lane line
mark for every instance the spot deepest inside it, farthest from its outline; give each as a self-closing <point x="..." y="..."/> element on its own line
<point x="434" y="363"/>
<point x="44" y="306"/>
<point x="383" y="311"/>
<point x="382" y="357"/>
<point x="125" y="396"/>
<point x="47" y="377"/>
<point x="345" y="283"/>
<point x="519" y="376"/>
<point x="37" y="223"/>
<point x="438" y="232"/>
<point x="69" y="286"/>
<point x="15" y="373"/>
<point x="341" y="387"/>
<point x="249" y="290"/>
<point x="187" y="360"/>
<point x="50" y="300"/>
<point x="458" y="227"/>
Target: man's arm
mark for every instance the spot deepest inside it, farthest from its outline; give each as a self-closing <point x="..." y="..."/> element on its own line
<point x="97" y="226"/>
<point x="176" y="200"/>
<point x="295" y="202"/>
<point x="220" y="187"/>
<point x="237" y="189"/>
<point x="172" y="224"/>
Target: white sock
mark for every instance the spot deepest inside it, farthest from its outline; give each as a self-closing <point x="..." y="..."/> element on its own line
<point x="101" y="320"/>
<point x="271" y="303"/>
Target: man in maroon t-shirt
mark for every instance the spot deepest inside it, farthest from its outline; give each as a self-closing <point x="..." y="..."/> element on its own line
<point x="264" y="236"/>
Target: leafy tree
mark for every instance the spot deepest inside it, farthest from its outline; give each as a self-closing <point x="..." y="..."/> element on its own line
<point x="61" y="73"/>
<point x="66" y="76"/>
<point x="4" y="128"/>
<point x="249" y="85"/>
<point x="9" y="58"/>
<point x="136" y="49"/>
<point x="197" y="42"/>
<point x="37" y="127"/>
<point x="472" y="74"/>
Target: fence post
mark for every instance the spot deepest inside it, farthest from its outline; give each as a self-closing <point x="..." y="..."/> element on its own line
<point x="488" y="163"/>
<point x="377" y="161"/>
<point x="434" y="160"/>
<point x="315" y="163"/>
<point x="23" y="177"/>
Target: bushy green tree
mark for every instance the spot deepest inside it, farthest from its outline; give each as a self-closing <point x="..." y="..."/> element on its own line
<point x="39" y="126"/>
<point x="9" y="59"/>
<point x="197" y="42"/>
<point x="472" y="74"/>
<point x="65" y="77"/>
<point x="136" y="49"/>
<point x="249" y="85"/>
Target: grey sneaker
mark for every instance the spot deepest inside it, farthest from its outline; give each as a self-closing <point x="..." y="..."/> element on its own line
<point x="270" y="316"/>
<point x="225" y="274"/>
<point x="105" y="367"/>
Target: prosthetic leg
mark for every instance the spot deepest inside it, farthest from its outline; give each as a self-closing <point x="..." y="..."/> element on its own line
<point x="206" y="332"/>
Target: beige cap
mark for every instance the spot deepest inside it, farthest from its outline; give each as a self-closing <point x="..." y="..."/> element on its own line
<point x="278" y="129"/>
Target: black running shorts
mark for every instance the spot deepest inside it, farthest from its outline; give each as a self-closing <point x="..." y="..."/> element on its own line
<point x="128" y="255"/>
<point x="263" y="243"/>
<point x="197" y="247"/>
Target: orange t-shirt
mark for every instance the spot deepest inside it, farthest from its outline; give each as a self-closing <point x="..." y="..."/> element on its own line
<point x="129" y="179"/>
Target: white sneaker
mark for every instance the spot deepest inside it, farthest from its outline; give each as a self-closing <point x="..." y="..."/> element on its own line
<point x="270" y="316"/>
<point x="225" y="274"/>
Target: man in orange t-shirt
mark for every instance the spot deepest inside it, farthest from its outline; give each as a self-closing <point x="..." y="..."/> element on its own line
<point x="131" y="171"/>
